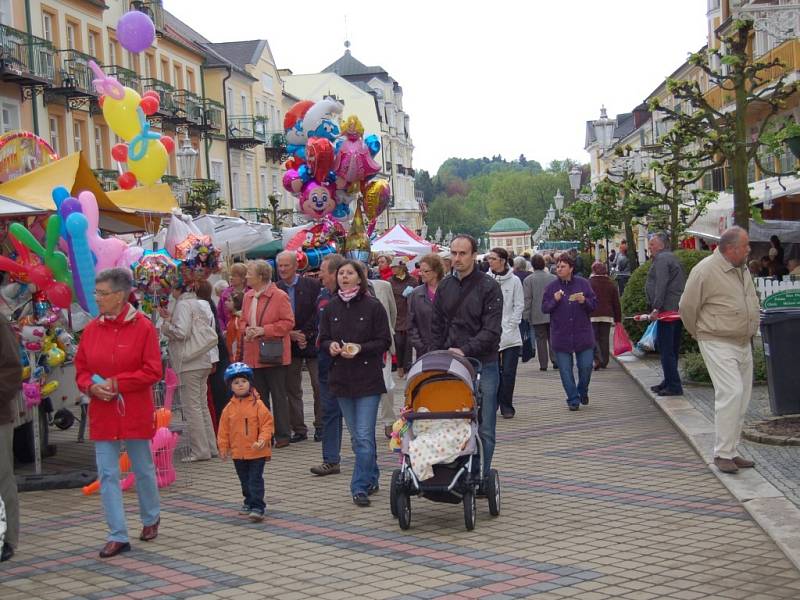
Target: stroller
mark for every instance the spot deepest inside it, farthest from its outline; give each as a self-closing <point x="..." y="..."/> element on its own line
<point x="442" y="391"/>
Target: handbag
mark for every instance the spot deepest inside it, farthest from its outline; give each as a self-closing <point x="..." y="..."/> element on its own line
<point x="622" y="343"/>
<point x="528" y="350"/>
<point x="270" y="350"/>
<point x="202" y="337"/>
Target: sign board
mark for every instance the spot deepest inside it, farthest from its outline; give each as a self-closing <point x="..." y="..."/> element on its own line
<point x="784" y="299"/>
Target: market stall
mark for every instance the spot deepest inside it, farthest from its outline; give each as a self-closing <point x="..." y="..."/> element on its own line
<point x="401" y="241"/>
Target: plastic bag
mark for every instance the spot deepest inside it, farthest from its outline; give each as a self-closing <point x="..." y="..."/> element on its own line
<point x="648" y="341"/>
<point x="528" y="350"/>
<point x="622" y="343"/>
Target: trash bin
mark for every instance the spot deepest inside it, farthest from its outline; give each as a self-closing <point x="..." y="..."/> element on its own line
<point x="780" y="331"/>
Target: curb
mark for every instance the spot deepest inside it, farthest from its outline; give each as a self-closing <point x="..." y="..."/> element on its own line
<point x="769" y="508"/>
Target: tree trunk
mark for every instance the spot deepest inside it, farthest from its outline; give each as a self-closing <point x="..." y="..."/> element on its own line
<point x="633" y="258"/>
<point x="674" y="210"/>
<point x="741" y="193"/>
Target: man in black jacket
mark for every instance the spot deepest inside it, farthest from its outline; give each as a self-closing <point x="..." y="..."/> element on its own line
<point x="10" y="385"/>
<point x="468" y="311"/>
<point x="303" y="293"/>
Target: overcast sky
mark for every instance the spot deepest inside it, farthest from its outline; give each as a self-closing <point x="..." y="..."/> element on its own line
<point x="480" y="78"/>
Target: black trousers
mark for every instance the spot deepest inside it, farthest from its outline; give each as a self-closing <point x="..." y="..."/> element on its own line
<point x="601" y="341"/>
<point x="271" y="382"/>
<point x="402" y="345"/>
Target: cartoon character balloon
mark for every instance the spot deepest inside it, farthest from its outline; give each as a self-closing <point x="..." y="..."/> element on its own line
<point x="354" y="162"/>
<point x="320" y="120"/>
<point x="316" y="200"/>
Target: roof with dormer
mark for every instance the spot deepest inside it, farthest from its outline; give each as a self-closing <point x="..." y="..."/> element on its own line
<point x="348" y="66"/>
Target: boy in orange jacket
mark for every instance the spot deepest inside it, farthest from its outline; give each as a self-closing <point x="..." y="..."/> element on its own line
<point x="245" y="434"/>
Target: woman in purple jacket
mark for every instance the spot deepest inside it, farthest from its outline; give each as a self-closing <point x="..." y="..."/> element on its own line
<point x="570" y="300"/>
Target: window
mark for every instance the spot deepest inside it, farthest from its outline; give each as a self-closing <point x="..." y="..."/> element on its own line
<point x="148" y="66"/>
<point x="53" y="122"/>
<point x="258" y="108"/>
<point x="275" y="189"/>
<point x="10" y="116"/>
<point x="263" y="182"/>
<point x="248" y="179"/>
<point x="99" y="154"/>
<point x="244" y="105"/>
<point x="112" y="52"/>
<point x="267" y="83"/>
<point x="77" y="138"/>
<point x="190" y="80"/>
<point x="6" y="17"/>
<point x="235" y="202"/>
<point x="133" y="61"/>
<point x="47" y="26"/>
<point x="71" y="36"/>
<point x="177" y="79"/>
<point x="230" y="107"/>
<point x="217" y="175"/>
<point x="788" y="161"/>
<point x="91" y="40"/>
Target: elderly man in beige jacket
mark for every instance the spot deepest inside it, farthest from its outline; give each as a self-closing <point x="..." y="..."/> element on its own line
<point x="719" y="307"/>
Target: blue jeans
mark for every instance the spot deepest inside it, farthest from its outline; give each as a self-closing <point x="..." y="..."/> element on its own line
<point x="251" y="476"/>
<point x="331" y="415"/>
<point x="509" y="359"/>
<point x="361" y="416"/>
<point x="668" y="341"/>
<point x="585" y="361"/>
<point x="107" y="457"/>
<point x="490" y="377"/>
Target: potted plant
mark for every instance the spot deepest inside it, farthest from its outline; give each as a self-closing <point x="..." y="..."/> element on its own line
<point x="788" y="134"/>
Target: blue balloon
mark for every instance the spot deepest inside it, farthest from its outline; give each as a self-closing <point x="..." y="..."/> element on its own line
<point x="373" y="142"/>
<point x="83" y="269"/>
<point x="60" y="194"/>
<point x="304" y="173"/>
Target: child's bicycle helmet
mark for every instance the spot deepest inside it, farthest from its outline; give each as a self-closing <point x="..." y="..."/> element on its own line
<point x="238" y="369"/>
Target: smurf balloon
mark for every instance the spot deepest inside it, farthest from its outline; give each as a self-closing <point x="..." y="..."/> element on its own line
<point x="320" y="120"/>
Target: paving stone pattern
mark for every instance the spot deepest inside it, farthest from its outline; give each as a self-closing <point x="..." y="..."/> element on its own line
<point x="606" y="502"/>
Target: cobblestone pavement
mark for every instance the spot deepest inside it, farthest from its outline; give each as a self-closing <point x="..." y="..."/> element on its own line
<point x="780" y="465"/>
<point x="607" y="502"/>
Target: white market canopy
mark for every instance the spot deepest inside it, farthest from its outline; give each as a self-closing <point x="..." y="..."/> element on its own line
<point x="401" y="241"/>
<point x="234" y="235"/>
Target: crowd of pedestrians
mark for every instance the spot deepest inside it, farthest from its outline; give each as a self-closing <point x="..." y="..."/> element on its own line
<point x="354" y="328"/>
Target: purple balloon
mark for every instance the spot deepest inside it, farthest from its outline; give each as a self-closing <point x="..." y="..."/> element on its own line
<point x="135" y="31"/>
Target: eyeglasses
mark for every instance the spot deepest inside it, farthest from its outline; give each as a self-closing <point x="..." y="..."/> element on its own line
<point x="104" y="293"/>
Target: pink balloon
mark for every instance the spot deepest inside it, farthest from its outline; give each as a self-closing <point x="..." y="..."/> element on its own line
<point x="108" y="252"/>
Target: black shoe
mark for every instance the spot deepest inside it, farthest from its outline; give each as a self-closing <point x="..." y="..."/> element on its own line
<point x="543" y="368"/>
<point x="664" y="392"/>
<point x="508" y="414"/>
<point x="7" y="553"/>
<point x="373" y="489"/>
<point x="656" y="388"/>
<point x="360" y="499"/>
<point x="585" y="400"/>
<point x="298" y="437"/>
<point x="574" y="406"/>
<point x="318" y="434"/>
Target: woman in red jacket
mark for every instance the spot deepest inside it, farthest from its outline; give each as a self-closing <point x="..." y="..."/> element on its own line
<point x="117" y="364"/>
<point x="607" y="313"/>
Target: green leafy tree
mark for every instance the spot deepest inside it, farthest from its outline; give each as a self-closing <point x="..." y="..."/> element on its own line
<point x="722" y="135"/>
<point x="203" y="197"/>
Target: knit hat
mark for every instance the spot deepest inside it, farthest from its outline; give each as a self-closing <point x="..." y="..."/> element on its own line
<point x="599" y="268"/>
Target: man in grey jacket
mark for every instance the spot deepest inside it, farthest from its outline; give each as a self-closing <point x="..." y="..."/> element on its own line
<point x="533" y="290"/>
<point x="665" y="282"/>
<point x="10" y="385"/>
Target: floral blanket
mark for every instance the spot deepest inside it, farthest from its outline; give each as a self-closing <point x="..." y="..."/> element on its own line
<point x="437" y="441"/>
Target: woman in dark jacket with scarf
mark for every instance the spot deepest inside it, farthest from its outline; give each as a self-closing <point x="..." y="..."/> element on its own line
<point x="117" y="363"/>
<point x="607" y="312"/>
<point x="569" y="300"/>
<point x="420" y="303"/>
<point x="355" y="376"/>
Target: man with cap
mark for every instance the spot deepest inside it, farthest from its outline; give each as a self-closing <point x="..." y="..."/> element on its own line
<point x="402" y="286"/>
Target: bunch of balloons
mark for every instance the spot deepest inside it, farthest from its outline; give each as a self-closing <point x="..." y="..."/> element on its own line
<point x="155" y="274"/>
<point x="146" y="152"/>
<point x="331" y="167"/>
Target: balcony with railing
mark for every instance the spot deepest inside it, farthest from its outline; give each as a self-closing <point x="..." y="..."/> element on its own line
<point x="166" y="109"/>
<point x="73" y="80"/>
<point x="245" y="131"/>
<point x="214" y="115"/>
<point x="126" y="77"/>
<point x="188" y="107"/>
<point x="153" y="9"/>
<point x="25" y="59"/>
<point x="275" y="146"/>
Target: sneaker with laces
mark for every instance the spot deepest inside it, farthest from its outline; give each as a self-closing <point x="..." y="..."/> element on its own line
<point x="256" y="516"/>
<point x="244" y="510"/>
<point x="326" y="469"/>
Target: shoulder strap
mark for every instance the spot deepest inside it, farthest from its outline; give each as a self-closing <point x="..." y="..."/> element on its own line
<point x="263" y="310"/>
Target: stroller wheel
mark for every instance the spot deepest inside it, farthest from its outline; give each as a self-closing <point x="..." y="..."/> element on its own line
<point x="393" y="491"/>
<point x="403" y="508"/>
<point x="469" y="510"/>
<point x="493" y="492"/>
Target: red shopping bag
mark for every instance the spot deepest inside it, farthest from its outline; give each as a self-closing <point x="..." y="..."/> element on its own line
<point x="622" y="343"/>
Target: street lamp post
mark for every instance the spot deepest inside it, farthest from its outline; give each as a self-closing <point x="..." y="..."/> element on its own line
<point x="559" y="200"/>
<point x="187" y="162"/>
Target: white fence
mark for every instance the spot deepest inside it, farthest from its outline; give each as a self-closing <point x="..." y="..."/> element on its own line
<point x="766" y="286"/>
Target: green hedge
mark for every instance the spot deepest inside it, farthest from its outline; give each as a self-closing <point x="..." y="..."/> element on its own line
<point x="588" y="259"/>
<point x="634" y="301"/>
<point x="694" y="367"/>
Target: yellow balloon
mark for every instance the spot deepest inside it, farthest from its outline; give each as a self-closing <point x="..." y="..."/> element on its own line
<point x="55" y="357"/>
<point x="121" y="115"/>
<point x="26" y="372"/>
<point x="49" y="388"/>
<point x="152" y="165"/>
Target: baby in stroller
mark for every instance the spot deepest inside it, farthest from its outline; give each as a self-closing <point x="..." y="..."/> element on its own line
<point x="439" y="444"/>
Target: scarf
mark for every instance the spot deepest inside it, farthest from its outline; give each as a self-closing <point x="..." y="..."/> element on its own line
<point x="347" y="295"/>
